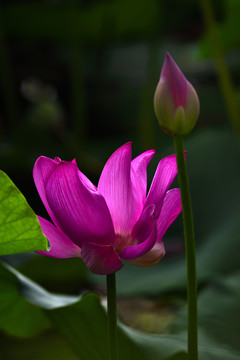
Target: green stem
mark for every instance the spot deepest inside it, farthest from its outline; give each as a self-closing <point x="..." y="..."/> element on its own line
<point x="189" y="249"/>
<point x="224" y="75"/>
<point x="112" y="317"/>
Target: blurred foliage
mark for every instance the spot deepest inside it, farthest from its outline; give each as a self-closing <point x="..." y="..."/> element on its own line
<point x="227" y="28"/>
<point x="81" y="322"/>
<point x="77" y="80"/>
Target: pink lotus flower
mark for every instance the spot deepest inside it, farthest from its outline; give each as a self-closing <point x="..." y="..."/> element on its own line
<point x="114" y="221"/>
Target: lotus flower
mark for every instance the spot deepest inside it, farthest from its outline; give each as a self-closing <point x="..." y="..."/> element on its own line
<point x="112" y="222"/>
<point x="175" y="101"/>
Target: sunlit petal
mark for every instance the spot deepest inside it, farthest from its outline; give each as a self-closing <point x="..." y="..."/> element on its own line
<point x="60" y="245"/>
<point x="116" y="187"/>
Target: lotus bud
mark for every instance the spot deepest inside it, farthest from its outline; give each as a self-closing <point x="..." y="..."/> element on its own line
<point x="176" y="102"/>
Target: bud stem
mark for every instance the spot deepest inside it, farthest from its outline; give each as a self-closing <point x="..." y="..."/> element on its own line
<point x="112" y="317"/>
<point x="190" y="250"/>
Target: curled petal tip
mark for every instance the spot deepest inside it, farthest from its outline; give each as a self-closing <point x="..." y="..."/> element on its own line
<point x="127" y="145"/>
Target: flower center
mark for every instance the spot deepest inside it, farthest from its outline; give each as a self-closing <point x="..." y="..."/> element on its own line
<point x="124" y="240"/>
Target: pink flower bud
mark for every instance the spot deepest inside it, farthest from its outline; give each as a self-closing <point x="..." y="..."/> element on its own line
<point x="176" y="102"/>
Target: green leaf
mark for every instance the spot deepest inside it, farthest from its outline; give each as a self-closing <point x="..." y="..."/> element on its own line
<point x="18" y="316"/>
<point x="25" y="308"/>
<point x="59" y="275"/>
<point x="48" y="346"/>
<point x="179" y="356"/>
<point x="219" y="306"/>
<point x="84" y="326"/>
<point x="38" y="296"/>
<point x="19" y="227"/>
<point x="82" y="321"/>
<point x="171" y="346"/>
<point x="22" y="302"/>
<point x="156" y="346"/>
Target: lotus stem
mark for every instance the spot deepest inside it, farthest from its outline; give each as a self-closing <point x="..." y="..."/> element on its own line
<point x="190" y="249"/>
<point x="112" y="317"/>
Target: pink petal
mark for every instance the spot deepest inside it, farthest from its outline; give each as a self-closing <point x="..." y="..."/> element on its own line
<point x="145" y="231"/>
<point x="164" y="176"/>
<point x="145" y="224"/>
<point x="61" y="246"/>
<point x="139" y="173"/>
<point x="150" y="258"/>
<point x="100" y="259"/>
<point x="171" y="208"/>
<point x="176" y="81"/>
<point x="116" y="187"/>
<point x="42" y="169"/>
<point x="81" y="211"/>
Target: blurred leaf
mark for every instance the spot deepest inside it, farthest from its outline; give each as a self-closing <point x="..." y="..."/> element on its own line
<point x="227" y="31"/>
<point x="22" y="301"/>
<point x="18" y="317"/>
<point x="82" y="322"/>
<point x="160" y="347"/>
<point x="179" y="356"/>
<point x="84" y="326"/>
<point x="219" y="306"/>
<point x="19" y="228"/>
<point x="85" y="322"/>
<point x="46" y="346"/>
<point x="173" y="346"/>
<point x="60" y="275"/>
<point x="38" y="296"/>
